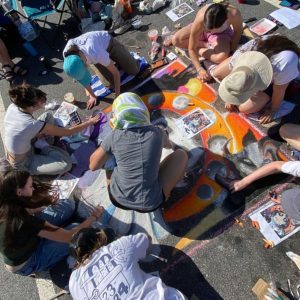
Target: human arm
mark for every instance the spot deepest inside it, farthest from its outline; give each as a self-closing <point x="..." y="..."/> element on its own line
<point x="269" y="169"/>
<point x="92" y="97"/>
<point x="277" y="97"/>
<point x="53" y="130"/>
<point x="116" y="76"/>
<point x="58" y="234"/>
<point x="236" y="21"/>
<point x="98" y="159"/>
<point x="196" y="31"/>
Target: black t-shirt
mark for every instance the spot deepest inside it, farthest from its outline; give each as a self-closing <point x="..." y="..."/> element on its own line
<point x="24" y="241"/>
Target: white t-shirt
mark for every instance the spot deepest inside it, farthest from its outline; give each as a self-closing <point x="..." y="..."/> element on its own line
<point x="113" y="273"/>
<point x="292" y="168"/>
<point x="19" y="129"/>
<point x="285" y="64"/>
<point x="94" y="46"/>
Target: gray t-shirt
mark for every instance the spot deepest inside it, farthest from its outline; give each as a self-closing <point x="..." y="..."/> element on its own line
<point x="135" y="183"/>
<point x="19" y="130"/>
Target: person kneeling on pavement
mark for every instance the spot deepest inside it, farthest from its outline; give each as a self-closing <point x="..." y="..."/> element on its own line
<point x="28" y="142"/>
<point x="103" y="51"/>
<point x="139" y="180"/>
<point x="31" y="239"/>
<point x="101" y="270"/>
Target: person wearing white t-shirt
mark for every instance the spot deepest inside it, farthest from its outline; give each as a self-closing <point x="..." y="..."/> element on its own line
<point x="24" y="136"/>
<point x="284" y="57"/>
<point x="103" y="51"/>
<point x="290" y="167"/>
<point x="111" y="271"/>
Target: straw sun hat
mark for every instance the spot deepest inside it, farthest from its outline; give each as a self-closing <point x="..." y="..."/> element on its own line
<point x="251" y="73"/>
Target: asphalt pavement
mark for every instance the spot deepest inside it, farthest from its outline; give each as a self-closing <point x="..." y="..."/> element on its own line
<point x="223" y="267"/>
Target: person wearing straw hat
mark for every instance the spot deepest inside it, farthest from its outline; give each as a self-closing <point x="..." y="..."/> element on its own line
<point x="139" y="181"/>
<point x="244" y="87"/>
<point x="284" y="57"/>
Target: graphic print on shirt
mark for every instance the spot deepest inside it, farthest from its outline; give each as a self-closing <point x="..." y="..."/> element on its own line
<point x="104" y="279"/>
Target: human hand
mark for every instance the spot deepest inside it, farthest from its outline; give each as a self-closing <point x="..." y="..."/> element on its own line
<point x="267" y="117"/>
<point x="95" y="119"/>
<point x="97" y="212"/>
<point x="237" y="185"/>
<point x="91" y="102"/>
<point x="231" y="107"/>
<point x="203" y="75"/>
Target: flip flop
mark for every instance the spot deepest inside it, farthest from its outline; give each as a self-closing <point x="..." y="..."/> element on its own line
<point x="19" y="70"/>
<point x="8" y="72"/>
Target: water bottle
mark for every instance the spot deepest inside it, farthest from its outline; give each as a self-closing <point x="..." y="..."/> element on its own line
<point x="26" y="31"/>
<point x="6" y="5"/>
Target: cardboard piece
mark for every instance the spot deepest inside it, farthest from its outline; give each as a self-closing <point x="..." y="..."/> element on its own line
<point x="260" y="290"/>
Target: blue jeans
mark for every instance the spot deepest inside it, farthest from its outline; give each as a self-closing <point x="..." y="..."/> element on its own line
<point x="49" y="252"/>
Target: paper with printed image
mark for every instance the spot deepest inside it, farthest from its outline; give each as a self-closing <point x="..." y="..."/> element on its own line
<point x="65" y="185"/>
<point x="179" y="12"/>
<point x="193" y="122"/>
<point x="274" y="223"/>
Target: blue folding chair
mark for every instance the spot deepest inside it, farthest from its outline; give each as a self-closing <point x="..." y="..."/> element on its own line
<point x="37" y="9"/>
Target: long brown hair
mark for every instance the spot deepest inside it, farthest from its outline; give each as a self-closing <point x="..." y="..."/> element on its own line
<point x="274" y="44"/>
<point x="13" y="207"/>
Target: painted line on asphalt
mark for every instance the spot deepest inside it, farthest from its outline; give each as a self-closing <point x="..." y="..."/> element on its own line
<point x="45" y="286"/>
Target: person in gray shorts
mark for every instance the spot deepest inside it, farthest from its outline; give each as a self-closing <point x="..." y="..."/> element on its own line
<point x="23" y="134"/>
<point x="139" y="181"/>
<point x="100" y="49"/>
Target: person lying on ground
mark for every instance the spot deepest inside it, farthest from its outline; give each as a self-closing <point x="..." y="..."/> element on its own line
<point x="215" y="32"/>
<point x="23" y="134"/>
<point x="103" y="51"/>
<point x="31" y="239"/>
<point x="283" y="55"/>
<point x="290" y="167"/>
<point x="139" y="180"/>
<point x="101" y="270"/>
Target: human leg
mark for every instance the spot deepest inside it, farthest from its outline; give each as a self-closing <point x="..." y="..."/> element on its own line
<point x="7" y="63"/>
<point x="291" y="134"/>
<point x="119" y="54"/>
<point x="172" y="169"/>
<point x="218" y="48"/>
<point x="181" y="38"/>
<point x="59" y="213"/>
<point x="256" y="103"/>
<point x="221" y="70"/>
<point x="47" y="254"/>
<point x="51" y="161"/>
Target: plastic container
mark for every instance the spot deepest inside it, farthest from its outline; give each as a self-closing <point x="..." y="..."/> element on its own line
<point x="262" y="26"/>
<point x="153" y="35"/>
<point x="137" y="24"/>
<point x="69" y="97"/>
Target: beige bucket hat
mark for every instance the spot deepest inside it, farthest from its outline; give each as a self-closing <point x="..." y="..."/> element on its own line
<point x="251" y="73"/>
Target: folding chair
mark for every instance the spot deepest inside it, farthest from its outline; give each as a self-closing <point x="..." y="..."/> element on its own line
<point x="36" y="9"/>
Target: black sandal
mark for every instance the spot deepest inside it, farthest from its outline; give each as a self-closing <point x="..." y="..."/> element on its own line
<point x="8" y="74"/>
<point x="19" y="70"/>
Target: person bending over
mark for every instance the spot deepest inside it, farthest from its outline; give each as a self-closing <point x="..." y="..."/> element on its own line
<point x="23" y="134"/>
<point x="139" y="181"/>
<point x="283" y="55"/>
<point x="103" y="51"/>
<point x="112" y="269"/>
<point x="31" y="239"/>
<point x="215" y="32"/>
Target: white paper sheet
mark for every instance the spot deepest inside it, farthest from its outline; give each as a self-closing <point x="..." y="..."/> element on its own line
<point x="179" y="12"/>
<point x="287" y="17"/>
